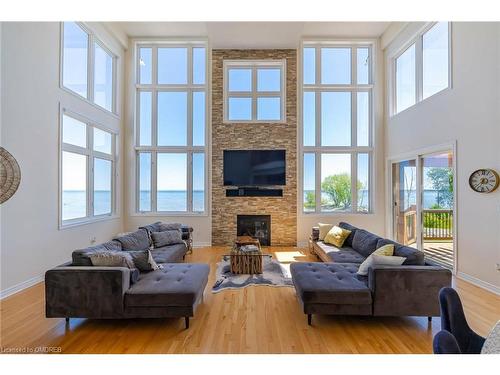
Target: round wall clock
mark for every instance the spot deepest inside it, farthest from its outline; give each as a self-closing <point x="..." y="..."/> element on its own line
<point x="484" y="180"/>
<point x="10" y="175"/>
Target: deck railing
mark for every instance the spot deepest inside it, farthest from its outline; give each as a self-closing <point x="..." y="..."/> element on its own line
<point x="438" y="224"/>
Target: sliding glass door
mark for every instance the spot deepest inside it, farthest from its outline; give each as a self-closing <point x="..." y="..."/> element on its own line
<point x="437" y="207"/>
<point x="404" y="191"/>
<point x="423" y="205"/>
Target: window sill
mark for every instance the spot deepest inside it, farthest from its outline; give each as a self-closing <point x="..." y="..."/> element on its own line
<point x="169" y="214"/>
<point x="71" y="92"/>
<point x="345" y="213"/>
<point x="86" y="221"/>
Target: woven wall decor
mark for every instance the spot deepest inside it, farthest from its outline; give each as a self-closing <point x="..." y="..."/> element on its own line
<point x="10" y="175"/>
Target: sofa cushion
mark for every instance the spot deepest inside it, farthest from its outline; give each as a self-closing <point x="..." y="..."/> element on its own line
<point x="167" y="237"/>
<point x="352" y="228"/>
<point x="364" y="242"/>
<point x="174" y="285"/>
<point x="169" y="254"/>
<point x="135" y="241"/>
<point x="81" y="256"/>
<point x="414" y="257"/>
<point x="330" y="283"/>
<point x="323" y="230"/>
<point x="341" y="254"/>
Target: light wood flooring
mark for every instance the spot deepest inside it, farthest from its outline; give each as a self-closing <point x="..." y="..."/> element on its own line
<point x="257" y="319"/>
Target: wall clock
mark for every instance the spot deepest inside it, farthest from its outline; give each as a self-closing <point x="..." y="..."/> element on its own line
<point x="484" y="180"/>
<point x="10" y="175"/>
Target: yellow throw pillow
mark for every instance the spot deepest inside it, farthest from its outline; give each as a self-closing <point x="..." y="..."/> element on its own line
<point x="337" y="236"/>
<point x="386" y="250"/>
<point x="323" y="230"/>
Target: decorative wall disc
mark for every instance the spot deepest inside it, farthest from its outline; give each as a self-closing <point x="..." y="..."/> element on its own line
<point x="10" y="175"/>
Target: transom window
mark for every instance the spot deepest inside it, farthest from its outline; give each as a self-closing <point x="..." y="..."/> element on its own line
<point x="87" y="174"/>
<point x="254" y="91"/>
<point x="423" y="68"/>
<point x="88" y="67"/>
<point x="171" y="122"/>
<point x="336" y="127"/>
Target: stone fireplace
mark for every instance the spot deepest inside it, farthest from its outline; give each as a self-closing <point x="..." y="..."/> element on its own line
<point x="256" y="226"/>
<point x="254" y="136"/>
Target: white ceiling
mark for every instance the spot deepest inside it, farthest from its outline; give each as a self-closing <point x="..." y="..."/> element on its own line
<point x="252" y="34"/>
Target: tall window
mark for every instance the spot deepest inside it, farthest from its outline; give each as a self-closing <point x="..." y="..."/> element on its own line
<point x="422" y="69"/>
<point x="87" y="170"/>
<point x="84" y="56"/>
<point x="254" y="91"/>
<point x="171" y="118"/>
<point x="337" y="96"/>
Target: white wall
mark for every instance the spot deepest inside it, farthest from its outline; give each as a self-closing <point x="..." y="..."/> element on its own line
<point x="31" y="242"/>
<point x="202" y="224"/>
<point x="375" y="221"/>
<point x="468" y="114"/>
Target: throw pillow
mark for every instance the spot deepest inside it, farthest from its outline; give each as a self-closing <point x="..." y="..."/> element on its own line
<point x="135" y="241"/>
<point x="336" y="236"/>
<point x="169" y="226"/>
<point x="168" y="237"/>
<point x="386" y="250"/>
<point x="388" y="261"/>
<point x="143" y="260"/>
<point x="323" y="230"/>
<point x="111" y="259"/>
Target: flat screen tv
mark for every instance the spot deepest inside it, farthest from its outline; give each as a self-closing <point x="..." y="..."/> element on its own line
<point x="254" y="167"/>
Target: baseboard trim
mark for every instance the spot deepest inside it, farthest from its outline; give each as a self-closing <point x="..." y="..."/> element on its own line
<point x="480" y="283"/>
<point x="20" y="287"/>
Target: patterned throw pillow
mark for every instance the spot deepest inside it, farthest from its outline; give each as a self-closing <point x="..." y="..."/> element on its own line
<point x="384" y="251"/>
<point x="111" y="259"/>
<point x="169" y="226"/>
<point x="168" y="237"/>
<point x="337" y="236"/>
<point x="143" y="261"/>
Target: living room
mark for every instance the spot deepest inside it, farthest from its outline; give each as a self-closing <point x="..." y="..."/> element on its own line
<point x="250" y="187"/>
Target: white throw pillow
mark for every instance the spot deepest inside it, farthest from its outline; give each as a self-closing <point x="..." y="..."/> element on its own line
<point x="323" y="230"/>
<point x="379" y="260"/>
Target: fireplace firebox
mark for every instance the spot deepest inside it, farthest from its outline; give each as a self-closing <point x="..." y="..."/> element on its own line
<point x="256" y="226"/>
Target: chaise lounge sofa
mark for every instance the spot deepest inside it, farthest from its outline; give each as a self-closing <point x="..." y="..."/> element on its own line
<point x="335" y="288"/>
<point x="79" y="289"/>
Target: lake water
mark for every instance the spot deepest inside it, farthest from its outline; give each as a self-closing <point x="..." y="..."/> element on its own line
<point x="74" y="202"/>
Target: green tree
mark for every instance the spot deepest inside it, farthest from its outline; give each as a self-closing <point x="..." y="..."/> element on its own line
<point x="442" y="181"/>
<point x="310" y="200"/>
<point x="338" y="189"/>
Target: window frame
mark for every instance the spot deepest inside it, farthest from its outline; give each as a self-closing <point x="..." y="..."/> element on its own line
<point x="353" y="149"/>
<point x="90" y="154"/>
<point x="417" y="39"/>
<point x="189" y="149"/>
<point x="91" y="41"/>
<point x="254" y="94"/>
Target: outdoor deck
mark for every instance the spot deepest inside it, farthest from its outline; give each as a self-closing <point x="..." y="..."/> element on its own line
<point x="441" y="252"/>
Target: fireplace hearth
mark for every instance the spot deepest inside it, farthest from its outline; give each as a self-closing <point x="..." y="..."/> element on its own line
<point x="256" y="226"/>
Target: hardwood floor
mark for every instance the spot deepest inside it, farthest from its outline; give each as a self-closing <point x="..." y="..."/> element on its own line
<point x="257" y="319"/>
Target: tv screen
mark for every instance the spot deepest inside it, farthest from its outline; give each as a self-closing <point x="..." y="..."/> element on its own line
<point x="254" y="167"/>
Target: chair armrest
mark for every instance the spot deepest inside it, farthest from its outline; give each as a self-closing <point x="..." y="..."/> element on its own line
<point x="86" y="291"/>
<point x="407" y="290"/>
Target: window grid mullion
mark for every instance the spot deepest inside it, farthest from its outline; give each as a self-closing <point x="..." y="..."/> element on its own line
<point x="354" y="182"/>
<point x="189" y="182"/>
<point x="90" y="171"/>
<point x="419" y="69"/>
<point x="154" y="179"/>
<point x="317" y="177"/>
<point x="254" y="94"/>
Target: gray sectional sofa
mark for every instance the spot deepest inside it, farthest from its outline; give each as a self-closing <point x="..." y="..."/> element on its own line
<point x="79" y="289"/>
<point x="335" y="288"/>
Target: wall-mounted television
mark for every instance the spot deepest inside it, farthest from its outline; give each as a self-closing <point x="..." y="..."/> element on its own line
<point x="254" y="167"/>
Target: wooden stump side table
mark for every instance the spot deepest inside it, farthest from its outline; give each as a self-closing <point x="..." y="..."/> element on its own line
<point x="246" y="262"/>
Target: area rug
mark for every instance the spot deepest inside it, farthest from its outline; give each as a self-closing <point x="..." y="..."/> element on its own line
<point x="274" y="274"/>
